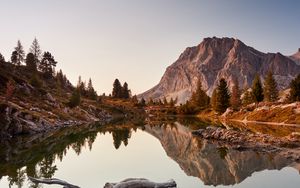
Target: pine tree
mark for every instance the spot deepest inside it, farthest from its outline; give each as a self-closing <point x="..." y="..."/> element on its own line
<point x="117" y="89"/>
<point x="91" y="91"/>
<point x="14" y="57"/>
<point x="35" y="49"/>
<point x="2" y="59"/>
<point x="295" y="89"/>
<point x="199" y="98"/>
<point x="235" y="99"/>
<point x="81" y="87"/>
<point x="48" y="64"/>
<point x="257" y="90"/>
<point x="20" y="53"/>
<point x="247" y="98"/>
<point x="223" y="96"/>
<point x="165" y="101"/>
<point x="172" y="102"/>
<point x="270" y="88"/>
<point x="125" y="91"/>
<point x="30" y="63"/>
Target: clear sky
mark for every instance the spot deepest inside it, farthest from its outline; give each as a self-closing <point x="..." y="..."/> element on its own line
<point x="135" y="40"/>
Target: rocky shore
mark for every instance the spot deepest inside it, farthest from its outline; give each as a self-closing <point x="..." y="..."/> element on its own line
<point x="16" y="120"/>
<point x="244" y="140"/>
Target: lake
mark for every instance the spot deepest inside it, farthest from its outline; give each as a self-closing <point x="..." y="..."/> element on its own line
<point x="91" y="155"/>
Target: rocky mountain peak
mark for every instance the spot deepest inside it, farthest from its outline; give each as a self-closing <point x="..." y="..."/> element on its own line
<point x="215" y="58"/>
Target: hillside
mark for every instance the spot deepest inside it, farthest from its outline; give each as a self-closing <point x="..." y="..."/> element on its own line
<point x="216" y="58"/>
<point x="39" y="104"/>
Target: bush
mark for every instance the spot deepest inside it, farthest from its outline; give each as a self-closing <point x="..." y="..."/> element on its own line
<point x="75" y="99"/>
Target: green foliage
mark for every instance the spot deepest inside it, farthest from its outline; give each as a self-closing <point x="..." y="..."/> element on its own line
<point x="35" y="81"/>
<point x="75" y="99"/>
<point x="19" y="53"/>
<point x="36" y="51"/>
<point x="235" y="99"/>
<point x="30" y="63"/>
<point x="247" y="98"/>
<point x="270" y="88"/>
<point x="188" y="109"/>
<point x="117" y="89"/>
<point x="295" y="89"/>
<point x="2" y="59"/>
<point x="199" y="98"/>
<point x="257" y="90"/>
<point x="14" y="58"/>
<point x="91" y="93"/>
<point x="223" y="97"/>
<point x="47" y="65"/>
<point x="125" y="92"/>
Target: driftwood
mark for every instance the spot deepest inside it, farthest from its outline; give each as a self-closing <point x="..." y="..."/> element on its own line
<point x="53" y="181"/>
<point x="140" y="183"/>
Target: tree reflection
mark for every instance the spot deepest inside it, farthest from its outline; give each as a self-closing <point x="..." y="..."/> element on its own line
<point x="36" y="155"/>
<point x="47" y="169"/>
<point x="17" y="178"/>
<point x="120" y="136"/>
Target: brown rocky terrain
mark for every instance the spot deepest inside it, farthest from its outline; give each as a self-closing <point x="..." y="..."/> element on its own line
<point x="216" y="58"/>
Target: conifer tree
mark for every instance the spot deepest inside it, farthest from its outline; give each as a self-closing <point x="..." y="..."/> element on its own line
<point x="247" y="98"/>
<point x="199" y="98"/>
<point x="172" y="102"/>
<point x="257" y="90"/>
<point x="165" y="101"/>
<point x="125" y="93"/>
<point x="14" y="57"/>
<point x="81" y="87"/>
<point x="19" y="53"/>
<point x="270" y="88"/>
<point x="223" y="96"/>
<point x="48" y="64"/>
<point x="235" y="99"/>
<point x="117" y="89"/>
<point x="30" y="63"/>
<point x="2" y="59"/>
<point x="35" y="49"/>
<point x="295" y="89"/>
<point x="91" y="91"/>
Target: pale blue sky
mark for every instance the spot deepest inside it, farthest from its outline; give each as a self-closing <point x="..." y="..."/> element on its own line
<point x="135" y="40"/>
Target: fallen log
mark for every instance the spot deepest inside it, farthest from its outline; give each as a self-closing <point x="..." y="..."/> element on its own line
<point x="53" y="181"/>
<point x="140" y="183"/>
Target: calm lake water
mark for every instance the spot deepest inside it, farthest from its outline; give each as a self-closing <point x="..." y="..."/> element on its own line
<point x="93" y="155"/>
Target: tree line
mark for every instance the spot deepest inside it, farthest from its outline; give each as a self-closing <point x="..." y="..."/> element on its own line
<point x="39" y="68"/>
<point x="222" y="98"/>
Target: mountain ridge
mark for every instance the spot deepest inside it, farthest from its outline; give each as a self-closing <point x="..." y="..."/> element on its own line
<point x="216" y="58"/>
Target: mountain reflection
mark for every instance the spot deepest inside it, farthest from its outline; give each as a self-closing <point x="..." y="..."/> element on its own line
<point x="213" y="164"/>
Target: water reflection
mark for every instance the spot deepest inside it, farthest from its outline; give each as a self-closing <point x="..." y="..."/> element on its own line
<point x="35" y="156"/>
<point x="213" y="163"/>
